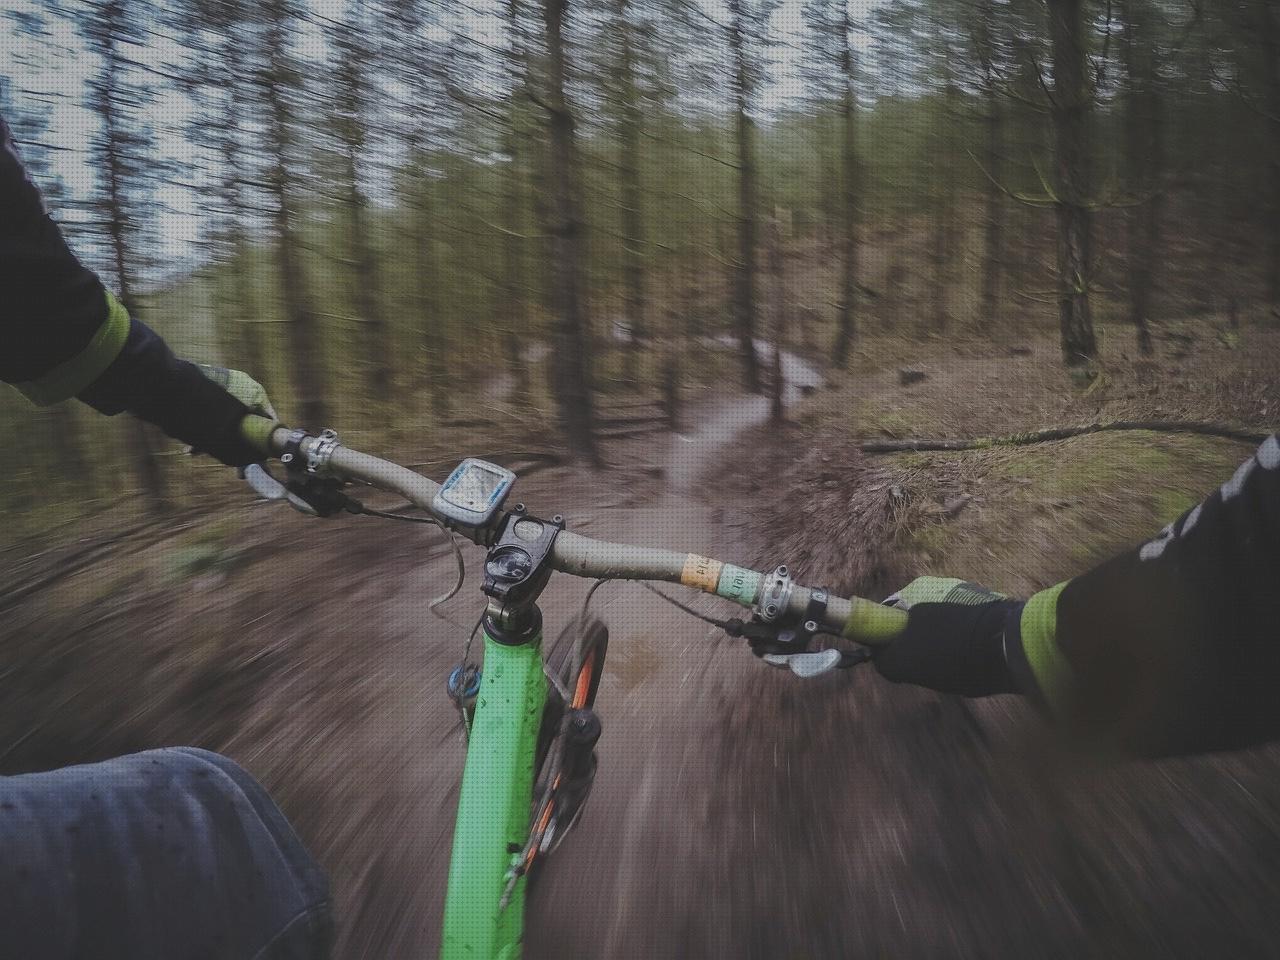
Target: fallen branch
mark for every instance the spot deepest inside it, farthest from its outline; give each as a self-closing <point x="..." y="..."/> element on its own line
<point x="1063" y="433"/>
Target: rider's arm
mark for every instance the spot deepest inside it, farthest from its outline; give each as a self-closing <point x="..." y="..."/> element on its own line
<point x="64" y="335"/>
<point x="1173" y="646"/>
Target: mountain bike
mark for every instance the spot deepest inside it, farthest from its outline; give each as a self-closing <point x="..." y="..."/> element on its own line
<point x="531" y="725"/>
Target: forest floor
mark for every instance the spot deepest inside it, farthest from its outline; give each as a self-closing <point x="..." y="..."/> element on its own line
<point x="738" y="812"/>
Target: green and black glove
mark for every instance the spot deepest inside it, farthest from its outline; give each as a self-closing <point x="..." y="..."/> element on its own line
<point x="954" y="641"/>
<point x="255" y="428"/>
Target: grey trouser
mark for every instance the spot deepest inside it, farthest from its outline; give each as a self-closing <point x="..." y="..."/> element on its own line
<point x="174" y="854"/>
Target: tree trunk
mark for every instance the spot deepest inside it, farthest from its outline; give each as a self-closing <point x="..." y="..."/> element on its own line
<point x="1269" y="33"/>
<point x="512" y="305"/>
<point x="237" y="308"/>
<point x="744" y="297"/>
<point x="845" y="323"/>
<point x="142" y="442"/>
<point x="633" y="234"/>
<point x="829" y="183"/>
<point x="1143" y="149"/>
<point x="304" y="337"/>
<point x="776" y="410"/>
<point x="427" y="270"/>
<point x="944" y="222"/>
<point x="353" y="62"/>
<point x="993" y="221"/>
<point x="990" y="291"/>
<point x="690" y="301"/>
<point x="1072" y="99"/>
<point x="241" y="306"/>
<point x="570" y="358"/>
<point x="895" y="283"/>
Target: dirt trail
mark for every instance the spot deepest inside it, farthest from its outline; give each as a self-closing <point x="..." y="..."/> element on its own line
<point x="408" y="750"/>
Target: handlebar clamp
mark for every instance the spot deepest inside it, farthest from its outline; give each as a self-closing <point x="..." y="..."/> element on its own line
<point x="766" y="633"/>
<point x="292" y="455"/>
<point x="309" y="489"/>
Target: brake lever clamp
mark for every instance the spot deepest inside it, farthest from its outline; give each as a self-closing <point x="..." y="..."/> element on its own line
<point x="323" y="495"/>
<point x="313" y="458"/>
<point x="788" y="646"/>
<point x="314" y="496"/>
<point x="770" y="634"/>
<point x="305" y="487"/>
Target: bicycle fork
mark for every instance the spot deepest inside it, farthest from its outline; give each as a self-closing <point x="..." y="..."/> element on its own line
<point x="493" y="805"/>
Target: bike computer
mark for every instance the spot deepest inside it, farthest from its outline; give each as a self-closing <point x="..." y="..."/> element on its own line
<point x="474" y="492"/>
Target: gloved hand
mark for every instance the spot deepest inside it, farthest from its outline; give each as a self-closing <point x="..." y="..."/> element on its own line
<point x="256" y="427"/>
<point x="954" y="638"/>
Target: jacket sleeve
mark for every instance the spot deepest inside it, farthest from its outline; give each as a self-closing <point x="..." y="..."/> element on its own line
<point x="66" y="336"/>
<point x="61" y="328"/>
<point x="1173" y="647"/>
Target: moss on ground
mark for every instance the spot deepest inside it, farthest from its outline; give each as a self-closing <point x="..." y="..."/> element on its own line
<point x="1046" y="513"/>
<point x="1034" y="515"/>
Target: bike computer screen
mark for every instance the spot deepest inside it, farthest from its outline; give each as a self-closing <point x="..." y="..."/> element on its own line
<point x="474" y="492"/>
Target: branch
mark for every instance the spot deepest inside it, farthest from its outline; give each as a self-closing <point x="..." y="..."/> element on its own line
<point x="1051" y="301"/>
<point x="1007" y="89"/>
<point x="1047" y="201"/>
<point x="1100" y="70"/>
<point x="1235" y="89"/>
<point x="456" y="93"/>
<point x="684" y="146"/>
<point x="1063" y="433"/>
<point x="1031" y="59"/>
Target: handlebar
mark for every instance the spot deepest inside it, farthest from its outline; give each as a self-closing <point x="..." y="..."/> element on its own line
<point x="855" y="618"/>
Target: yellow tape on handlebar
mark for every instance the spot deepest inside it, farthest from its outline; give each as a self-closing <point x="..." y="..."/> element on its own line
<point x="701" y="572"/>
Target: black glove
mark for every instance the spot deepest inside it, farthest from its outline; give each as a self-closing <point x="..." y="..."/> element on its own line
<point x="954" y="639"/>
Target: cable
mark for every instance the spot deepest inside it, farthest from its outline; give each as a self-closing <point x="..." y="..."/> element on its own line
<point x="368" y="512"/>
<point x="453" y="542"/>
<point x="721" y="624"/>
<point x="462" y="576"/>
<point x="586" y="603"/>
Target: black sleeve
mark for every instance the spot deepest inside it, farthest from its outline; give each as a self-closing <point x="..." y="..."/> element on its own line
<point x="1175" y="646"/>
<point x="52" y="304"/>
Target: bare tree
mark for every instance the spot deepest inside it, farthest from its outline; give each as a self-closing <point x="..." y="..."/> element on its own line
<point x="777" y="276"/>
<point x="215" y="78"/>
<point x="943" y="238"/>
<point x="1070" y="105"/>
<point x="570" y="357"/>
<point x="846" y="323"/>
<point x="1267" y="17"/>
<point x="1144" y="148"/>
<point x="513" y="304"/>
<point x="630" y="128"/>
<point x="122" y="152"/>
<point x="985" y="28"/>
<point x="744" y="296"/>
<point x="276" y="78"/>
<point x="354" y="67"/>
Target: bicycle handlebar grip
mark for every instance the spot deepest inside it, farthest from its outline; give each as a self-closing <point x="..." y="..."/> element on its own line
<point x="258" y="432"/>
<point x="873" y="623"/>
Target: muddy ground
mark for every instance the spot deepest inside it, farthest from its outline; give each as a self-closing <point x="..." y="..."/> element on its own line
<point x="738" y="812"/>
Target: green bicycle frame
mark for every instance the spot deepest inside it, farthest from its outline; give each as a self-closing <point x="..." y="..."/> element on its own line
<point x="494" y="806"/>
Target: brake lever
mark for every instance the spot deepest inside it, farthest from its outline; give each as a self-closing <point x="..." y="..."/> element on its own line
<point x="269" y="488"/>
<point x="314" y="497"/>
<point x="807" y="666"/>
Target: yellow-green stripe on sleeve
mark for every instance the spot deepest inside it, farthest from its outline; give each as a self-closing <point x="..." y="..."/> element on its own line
<point x="1039" y="628"/>
<point x="70" y="377"/>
